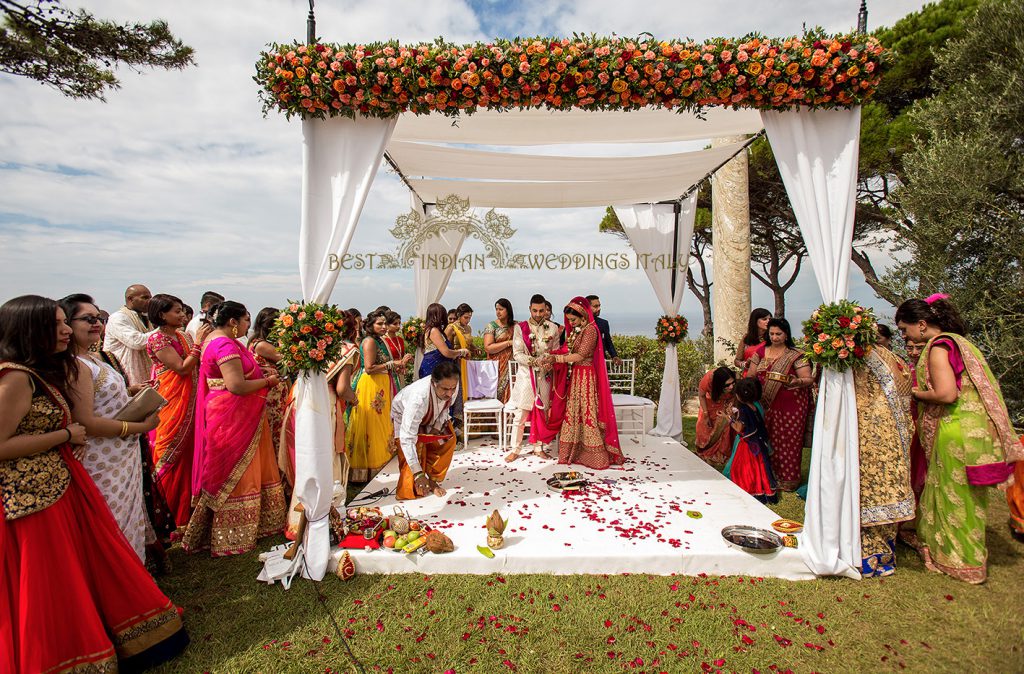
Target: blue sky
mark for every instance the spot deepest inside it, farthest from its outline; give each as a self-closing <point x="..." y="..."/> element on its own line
<point x="180" y="183"/>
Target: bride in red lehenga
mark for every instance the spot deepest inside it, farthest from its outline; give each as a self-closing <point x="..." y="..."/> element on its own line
<point x="76" y="596"/>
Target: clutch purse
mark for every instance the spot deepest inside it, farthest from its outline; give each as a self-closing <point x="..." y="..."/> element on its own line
<point x="142" y="404"/>
<point x="778" y="376"/>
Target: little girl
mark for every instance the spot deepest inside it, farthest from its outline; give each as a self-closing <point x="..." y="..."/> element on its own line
<point x="749" y="466"/>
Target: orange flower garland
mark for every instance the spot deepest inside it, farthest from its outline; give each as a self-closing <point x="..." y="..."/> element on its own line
<point x="384" y="79"/>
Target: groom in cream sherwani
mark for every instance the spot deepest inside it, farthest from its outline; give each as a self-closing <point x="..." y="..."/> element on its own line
<point x="531" y="392"/>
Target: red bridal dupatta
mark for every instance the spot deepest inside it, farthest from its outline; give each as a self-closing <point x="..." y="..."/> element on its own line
<point x="549" y="428"/>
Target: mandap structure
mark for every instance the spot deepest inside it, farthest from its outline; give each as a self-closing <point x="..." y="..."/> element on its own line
<point x="360" y="102"/>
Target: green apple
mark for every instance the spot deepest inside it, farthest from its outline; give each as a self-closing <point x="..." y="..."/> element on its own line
<point x="412" y="536"/>
<point x="401" y="542"/>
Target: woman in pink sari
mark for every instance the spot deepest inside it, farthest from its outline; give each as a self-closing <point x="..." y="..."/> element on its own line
<point x="235" y="480"/>
<point x="755" y="340"/>
<point x="581" y="399"/>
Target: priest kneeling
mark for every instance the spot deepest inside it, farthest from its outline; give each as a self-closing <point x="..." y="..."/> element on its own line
<point x="421" y="416"/>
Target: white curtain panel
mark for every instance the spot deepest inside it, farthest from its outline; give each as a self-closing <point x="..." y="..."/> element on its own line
<point x="429" y="283"/>
<point x="817" y="153"/>
<point x="340" y="158"/>
<point x="650" y="229"/>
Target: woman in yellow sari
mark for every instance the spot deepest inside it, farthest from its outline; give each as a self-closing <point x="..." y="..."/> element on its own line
<point x="460" y="335"/>
<point x="369" y="431"/>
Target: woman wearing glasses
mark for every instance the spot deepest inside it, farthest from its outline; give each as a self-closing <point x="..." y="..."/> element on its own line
<point x="175" y="360"/>
<point x="111" y="456"/>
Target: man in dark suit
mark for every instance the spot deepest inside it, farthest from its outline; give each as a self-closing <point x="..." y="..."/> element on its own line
<point x="606" y="334"/>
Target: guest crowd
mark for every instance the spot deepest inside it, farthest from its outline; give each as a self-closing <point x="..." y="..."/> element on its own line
<point x="933" y="434"/>
<point x="90" y="500"/>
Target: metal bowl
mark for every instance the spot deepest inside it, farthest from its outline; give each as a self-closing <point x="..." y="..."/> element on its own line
<point x="571" y="481"/>
<point x="752" y="539"/>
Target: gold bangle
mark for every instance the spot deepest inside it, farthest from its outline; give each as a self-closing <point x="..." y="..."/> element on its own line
<point x="124" y="428"/>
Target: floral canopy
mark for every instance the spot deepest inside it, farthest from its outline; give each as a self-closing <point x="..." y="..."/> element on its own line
<point x="384" y="79"/>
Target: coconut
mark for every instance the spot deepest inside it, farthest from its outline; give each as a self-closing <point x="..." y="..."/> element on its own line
<point x="439" y="543"/>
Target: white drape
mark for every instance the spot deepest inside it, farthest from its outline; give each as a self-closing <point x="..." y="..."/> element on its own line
<point x="817" y="154"/>
<point x="430" y="282"/>
<point x="340" y="158"/>
<point x="651" y="229"/>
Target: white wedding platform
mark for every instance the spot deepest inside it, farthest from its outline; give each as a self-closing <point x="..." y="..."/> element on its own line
<point x="632" y="520"/>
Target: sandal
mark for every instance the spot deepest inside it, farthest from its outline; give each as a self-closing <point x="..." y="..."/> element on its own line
<point x="541" y="453"/>
<point x="511" y="456"/>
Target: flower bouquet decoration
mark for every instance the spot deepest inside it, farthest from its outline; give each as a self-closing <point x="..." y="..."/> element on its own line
<point x="307" y="337"/>
<point x="839" y="335"/>
<point x="671" y="329"/>
<point x="412" y="331"/>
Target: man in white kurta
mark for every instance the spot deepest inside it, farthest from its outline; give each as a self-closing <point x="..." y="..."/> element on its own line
<point x="128" y="331"/>
<point x="207" y="301"/>
<point x="531" y="392"/>
<point x="421" y="417"/>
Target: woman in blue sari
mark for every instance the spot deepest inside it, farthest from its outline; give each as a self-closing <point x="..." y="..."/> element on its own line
<point x="436" y="347"/>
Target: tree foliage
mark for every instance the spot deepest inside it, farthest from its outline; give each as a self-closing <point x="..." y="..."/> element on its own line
<point x="888" y="129"/>
<point x="965" y="188"/>
<point x="76" y="53"/>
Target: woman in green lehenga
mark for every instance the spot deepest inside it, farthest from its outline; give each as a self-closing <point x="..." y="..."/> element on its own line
<point x="966" y="434"/>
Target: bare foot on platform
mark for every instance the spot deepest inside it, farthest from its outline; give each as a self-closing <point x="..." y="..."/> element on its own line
<point x="439" y="492"/>
<point x="511" y="456"/>
<point x="541" y="454"/>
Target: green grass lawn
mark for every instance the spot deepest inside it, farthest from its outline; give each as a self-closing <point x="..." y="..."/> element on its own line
<point x="914" y="621"/>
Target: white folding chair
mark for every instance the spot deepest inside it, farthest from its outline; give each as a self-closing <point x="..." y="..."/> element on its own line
<point x="509" y="410"/>
<point x="483" y="416"/>
<point x="632" y="412"/>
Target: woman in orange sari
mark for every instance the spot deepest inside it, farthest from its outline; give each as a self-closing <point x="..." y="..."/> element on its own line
<point x="175" y="359"/>
<point x="236" y="483"/>
<point x="498" y="344"/>
<point x="714" y="432"/>
<point x="785" y="376"/>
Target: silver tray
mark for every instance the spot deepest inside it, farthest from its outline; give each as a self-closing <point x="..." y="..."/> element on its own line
<point x="752" y="539"/>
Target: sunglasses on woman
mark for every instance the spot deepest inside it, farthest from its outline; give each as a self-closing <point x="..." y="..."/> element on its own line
<point x="91" y="320"/>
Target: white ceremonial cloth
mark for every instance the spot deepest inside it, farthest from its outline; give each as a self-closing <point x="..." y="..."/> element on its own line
<point x="547" y="127"/>
<point x="817" y="152"/>
<point x="340" y="158"/>
<point x="481" y="379"/>
<point x="651" y="229"/>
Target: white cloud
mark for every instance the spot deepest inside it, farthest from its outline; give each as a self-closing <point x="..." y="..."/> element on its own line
<point x="178" y="181"/>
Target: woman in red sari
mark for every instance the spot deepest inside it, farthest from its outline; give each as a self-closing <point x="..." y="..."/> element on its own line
<point x="714" y="432"/>
<point x="755" y="340"/>
<point x="396" y="349"/>
<point x="75" y="596"/>
<point x="581" y="400"/>
<point x="175" y="365"/>
<point x="235" y="481"/>
<point x="785" y="376"/>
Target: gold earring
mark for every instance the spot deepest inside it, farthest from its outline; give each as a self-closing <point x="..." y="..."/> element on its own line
<point x="234" y="331"/>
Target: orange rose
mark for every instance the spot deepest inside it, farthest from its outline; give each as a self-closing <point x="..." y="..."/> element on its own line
<point x="780" y="89"/>
<point x="792" y="68"/>
<point x="329" y="327"/>
<point x="305" y="329"/>
<point x="506" y="70"/>
<point x="754" y="68"/>
<point x="287" y="321"/>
